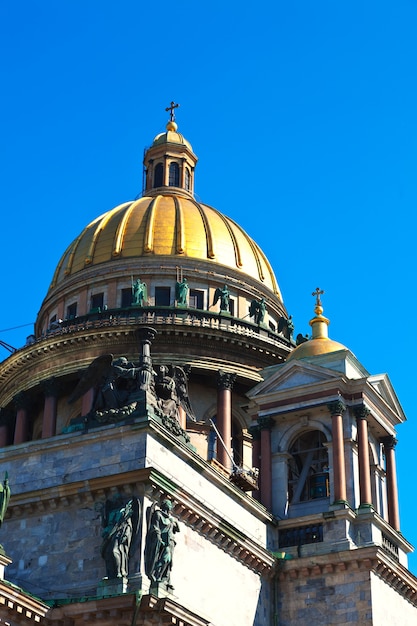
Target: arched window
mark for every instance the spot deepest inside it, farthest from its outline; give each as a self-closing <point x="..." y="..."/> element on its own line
<point x="174" y="175"/>
<point x="158" y="179"/>
<point x="187" y="179"/>
<point x="308" y="468"/>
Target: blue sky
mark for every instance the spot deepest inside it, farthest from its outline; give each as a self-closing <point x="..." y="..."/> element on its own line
<point x="302" y="114"/>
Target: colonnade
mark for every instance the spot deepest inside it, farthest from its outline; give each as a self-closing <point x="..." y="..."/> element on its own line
<point x="262" y="458"/>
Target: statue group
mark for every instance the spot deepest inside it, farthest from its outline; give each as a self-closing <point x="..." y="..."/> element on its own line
<point x="118" y="384"/>
<point x="121" y="525"/>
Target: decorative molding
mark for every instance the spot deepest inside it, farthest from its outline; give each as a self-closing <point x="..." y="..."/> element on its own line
<point x="337" y="407"/>
<point x="265" y="423"/>
<point x="389" y="442"/>
<point x="225" y="380"/>
<point x="361" y="412"/>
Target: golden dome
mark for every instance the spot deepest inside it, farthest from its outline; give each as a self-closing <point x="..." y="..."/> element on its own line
<point x="171" y="136"/>
<point x="166" y="224"/>
<point x="314" y="347"/>
<point x="320" y="342"/>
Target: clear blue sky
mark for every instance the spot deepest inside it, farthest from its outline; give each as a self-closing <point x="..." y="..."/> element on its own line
<point x="303" y="115"/>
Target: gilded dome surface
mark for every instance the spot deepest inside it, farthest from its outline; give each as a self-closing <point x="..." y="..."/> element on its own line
<point x="314" y="347"/>
<point x="320" y="343"/>
<point x="166" y="224"/>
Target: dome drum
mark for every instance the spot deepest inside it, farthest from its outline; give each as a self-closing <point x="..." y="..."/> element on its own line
<point x="109" y="287"/>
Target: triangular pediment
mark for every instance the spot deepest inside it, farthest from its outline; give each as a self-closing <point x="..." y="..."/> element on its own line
<point x="291" y="375"/>
<point x="383" y="386"/>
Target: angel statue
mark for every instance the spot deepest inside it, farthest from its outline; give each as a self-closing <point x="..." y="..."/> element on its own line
<point x="120" y="525"/>
<point x="257" y="310"/>
<point x="286" y="327"/>
<point x="139" y="293"/>
<point x="115" y="379"/>
<point x="224" y="296"/>
<point x="4" y="497"/>
<point x="160" y="543"/>
<point x="181" y="291"/>
<point x="172" y="392"/>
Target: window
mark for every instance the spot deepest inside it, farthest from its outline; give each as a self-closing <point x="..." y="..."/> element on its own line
<point x="174" y="175"/>
<point x="97" y="300"/>
<point x="196" y="299"/>
<point x="72" y="311"/>
<point x="126" y="298"/>
<point x="187" y="179"/>
<point x="308" y="467"/>
<point x="162" y="296"/>
<point x="158" y="179"/>
<point x="232" y="307"/>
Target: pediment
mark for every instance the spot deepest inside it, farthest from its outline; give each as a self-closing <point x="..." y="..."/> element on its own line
<point x="383" y="387"/>
<point x="291" y="375"/>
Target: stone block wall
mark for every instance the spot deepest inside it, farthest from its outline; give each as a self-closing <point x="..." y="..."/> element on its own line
<point x="319" y="599"/>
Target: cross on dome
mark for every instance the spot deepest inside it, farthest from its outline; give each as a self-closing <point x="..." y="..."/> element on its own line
<point x="318" y="292"/>
<point x="171" y="108"/>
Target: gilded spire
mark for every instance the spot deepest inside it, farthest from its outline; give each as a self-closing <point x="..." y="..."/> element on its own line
<point x="319" y="323"/>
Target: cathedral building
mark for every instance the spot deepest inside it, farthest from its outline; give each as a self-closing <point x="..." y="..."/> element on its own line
<point x="172" y="454"/>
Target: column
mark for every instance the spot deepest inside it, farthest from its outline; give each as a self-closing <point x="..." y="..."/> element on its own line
<point x="392" y="489"/>
<point x="5" y="419"/>
<point x="336" y="410"/>
<point x="87" y="401"/>
<point x="21" y="401"/>
<point x="182" y="418"/>
<point x="265" y="425"/>
<point x="255" y="431"/>
<point x="145" y="335"/>
<point x="50" y="389"/>
<point x="361" y="414"/>
<point x="225" y="383"/>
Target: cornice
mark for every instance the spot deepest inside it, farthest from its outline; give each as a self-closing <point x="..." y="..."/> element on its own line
<point x="122" y="610"/>
<point x="371" y="559"/>
<point x="20" y="606"/>
<point x="157" y="485"/>
<point x="65" y="353"/>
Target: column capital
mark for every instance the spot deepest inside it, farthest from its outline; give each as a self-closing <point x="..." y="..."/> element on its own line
<point x="389" y="442"/>
<point x="225" y="380"/>
<point x="50" y="387"/>
<point x="361" y="412"/>
<point x="21" y="400"/>
<point x="6" y="417"/>
<point x="146" y="334"/>
<point x="255" y="431"/>
<point x="337" y="407"/>
<point x="265" y="423"/>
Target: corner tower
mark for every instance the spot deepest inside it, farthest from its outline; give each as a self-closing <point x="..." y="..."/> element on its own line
<point x="325" y="433"/>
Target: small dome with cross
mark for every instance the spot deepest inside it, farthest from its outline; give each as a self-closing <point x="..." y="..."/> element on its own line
<point x="320" y="343"/>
